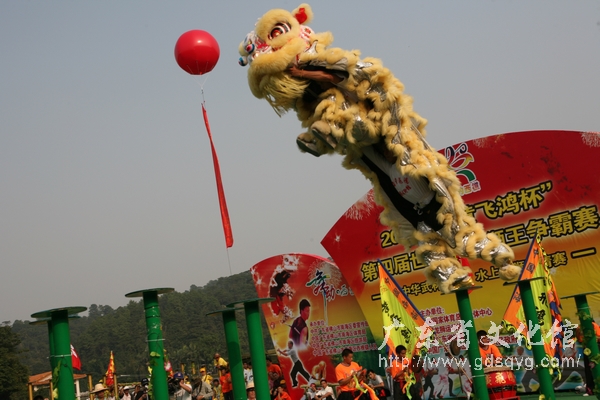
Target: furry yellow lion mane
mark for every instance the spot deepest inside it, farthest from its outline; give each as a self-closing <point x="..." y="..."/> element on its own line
<point x="361" y="105"/>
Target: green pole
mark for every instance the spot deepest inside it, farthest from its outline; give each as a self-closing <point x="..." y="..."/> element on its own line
<point x="466" y="314"/>
<point x="235" y="355"/>
<point x="156" y="351"/>
<point x="539" y="354"/>
<point x="589" y="335"/>
<point x="53" y="359"/>
<point x="257" y="350"/>
<point x="62" y="346"/>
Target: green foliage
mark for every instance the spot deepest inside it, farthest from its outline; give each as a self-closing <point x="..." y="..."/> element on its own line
<point x="13" y="374"/>
<point x="190" y="336"/>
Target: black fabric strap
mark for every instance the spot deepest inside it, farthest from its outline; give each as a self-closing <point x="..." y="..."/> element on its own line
<point x="408" y="210"/>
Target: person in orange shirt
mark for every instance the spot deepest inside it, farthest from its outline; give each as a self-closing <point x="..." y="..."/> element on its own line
<point x="489" y="352"/>
<point x="345" y="372"/>
<point x="282" y="393"/>
<point x="398" y="369"/>
<point x="226" y="385"/>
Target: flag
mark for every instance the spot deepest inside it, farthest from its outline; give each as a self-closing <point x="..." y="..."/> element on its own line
<point x="75" y="360"/>
<point x="167" y="364"/>
<point x="403" y="325"/>
<point x="110" y="372"/>
<point x="220" y="192"/>
<point x="547" y="303"/>
<point x="397" y="309"/>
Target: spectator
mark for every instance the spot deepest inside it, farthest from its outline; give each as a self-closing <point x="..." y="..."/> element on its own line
<point x="110" y="394"/>
<point x="204" y="377"/>
<point x="273" y="372"/>
<point x="376" y="383"/>
<point x="124" y="393"/>
<point x="248" y="374"/>
<point x="217" y="389"/>
<point x="183" y="391"/>
<point x="346" y="374"/>
<point x="275" y="388"/>
<point x="282" y="393"/>
<point x="311" y="391"/>
<point x="250" y="392"/>
<point x="99" y="391"/>
<point x="226" y="385"/>
<point x="326" y="391"/>
<point x="219" y="364"/>
<point x="201" y="390"/>
<point x="138" y="393"/>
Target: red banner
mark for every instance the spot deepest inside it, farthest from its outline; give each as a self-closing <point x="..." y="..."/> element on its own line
<point x="313" y="318"/>
<point x="220" y="192"/>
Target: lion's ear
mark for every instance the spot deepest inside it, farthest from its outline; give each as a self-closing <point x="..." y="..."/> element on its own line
<point x="303" y="14"/>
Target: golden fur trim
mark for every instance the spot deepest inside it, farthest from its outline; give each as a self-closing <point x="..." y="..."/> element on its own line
<point x="367" y="107"/>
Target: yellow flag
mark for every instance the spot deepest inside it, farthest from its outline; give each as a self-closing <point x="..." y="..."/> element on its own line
<point x="547" y="303"/>
<point x="401" y="319"/>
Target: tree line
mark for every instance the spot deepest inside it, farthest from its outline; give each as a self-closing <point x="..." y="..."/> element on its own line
<point x="190" y="336"/>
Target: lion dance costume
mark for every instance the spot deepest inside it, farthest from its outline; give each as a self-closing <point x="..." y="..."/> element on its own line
<point x="356" y="107"/>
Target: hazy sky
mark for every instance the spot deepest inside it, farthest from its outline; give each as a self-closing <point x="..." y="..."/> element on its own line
<point x="106" y="176"/>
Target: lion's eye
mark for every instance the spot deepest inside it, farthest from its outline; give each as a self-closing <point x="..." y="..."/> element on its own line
<point x="249" y="48"/>
<point x="279" y="29"/>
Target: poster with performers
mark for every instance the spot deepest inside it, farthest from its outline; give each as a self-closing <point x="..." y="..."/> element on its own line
<point x="516" y="184"/>
<point x="313" y="318"/>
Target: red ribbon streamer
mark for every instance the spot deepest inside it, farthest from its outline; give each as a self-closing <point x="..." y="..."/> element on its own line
<point x="221" y="193"/>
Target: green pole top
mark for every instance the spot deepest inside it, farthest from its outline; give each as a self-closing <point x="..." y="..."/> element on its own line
<point x="580" y="294"/>
<point x="43" y="321"/>
<point x="48" y="313"/>
<point x="140" y="293"/>
<point x="241" y="303"/>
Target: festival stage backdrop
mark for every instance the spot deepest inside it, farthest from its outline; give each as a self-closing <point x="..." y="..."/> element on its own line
<point x="516" y="184"/>
<point x="334" y="320"/>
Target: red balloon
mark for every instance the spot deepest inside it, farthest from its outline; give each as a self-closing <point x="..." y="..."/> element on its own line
<point x="197" y="52"/>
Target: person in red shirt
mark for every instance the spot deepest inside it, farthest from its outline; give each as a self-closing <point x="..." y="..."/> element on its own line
<point x="489" y="352"/>
<point x="345" y="373"/>
<point x="226" y="385"/>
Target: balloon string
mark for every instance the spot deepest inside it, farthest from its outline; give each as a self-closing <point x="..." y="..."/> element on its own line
<point x="228" y="261"/>
<point x="201" y="88"/>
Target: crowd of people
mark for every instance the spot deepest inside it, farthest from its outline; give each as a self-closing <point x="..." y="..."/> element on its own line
<point x="351" y="379"/>
<point x="205" y="386"/>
